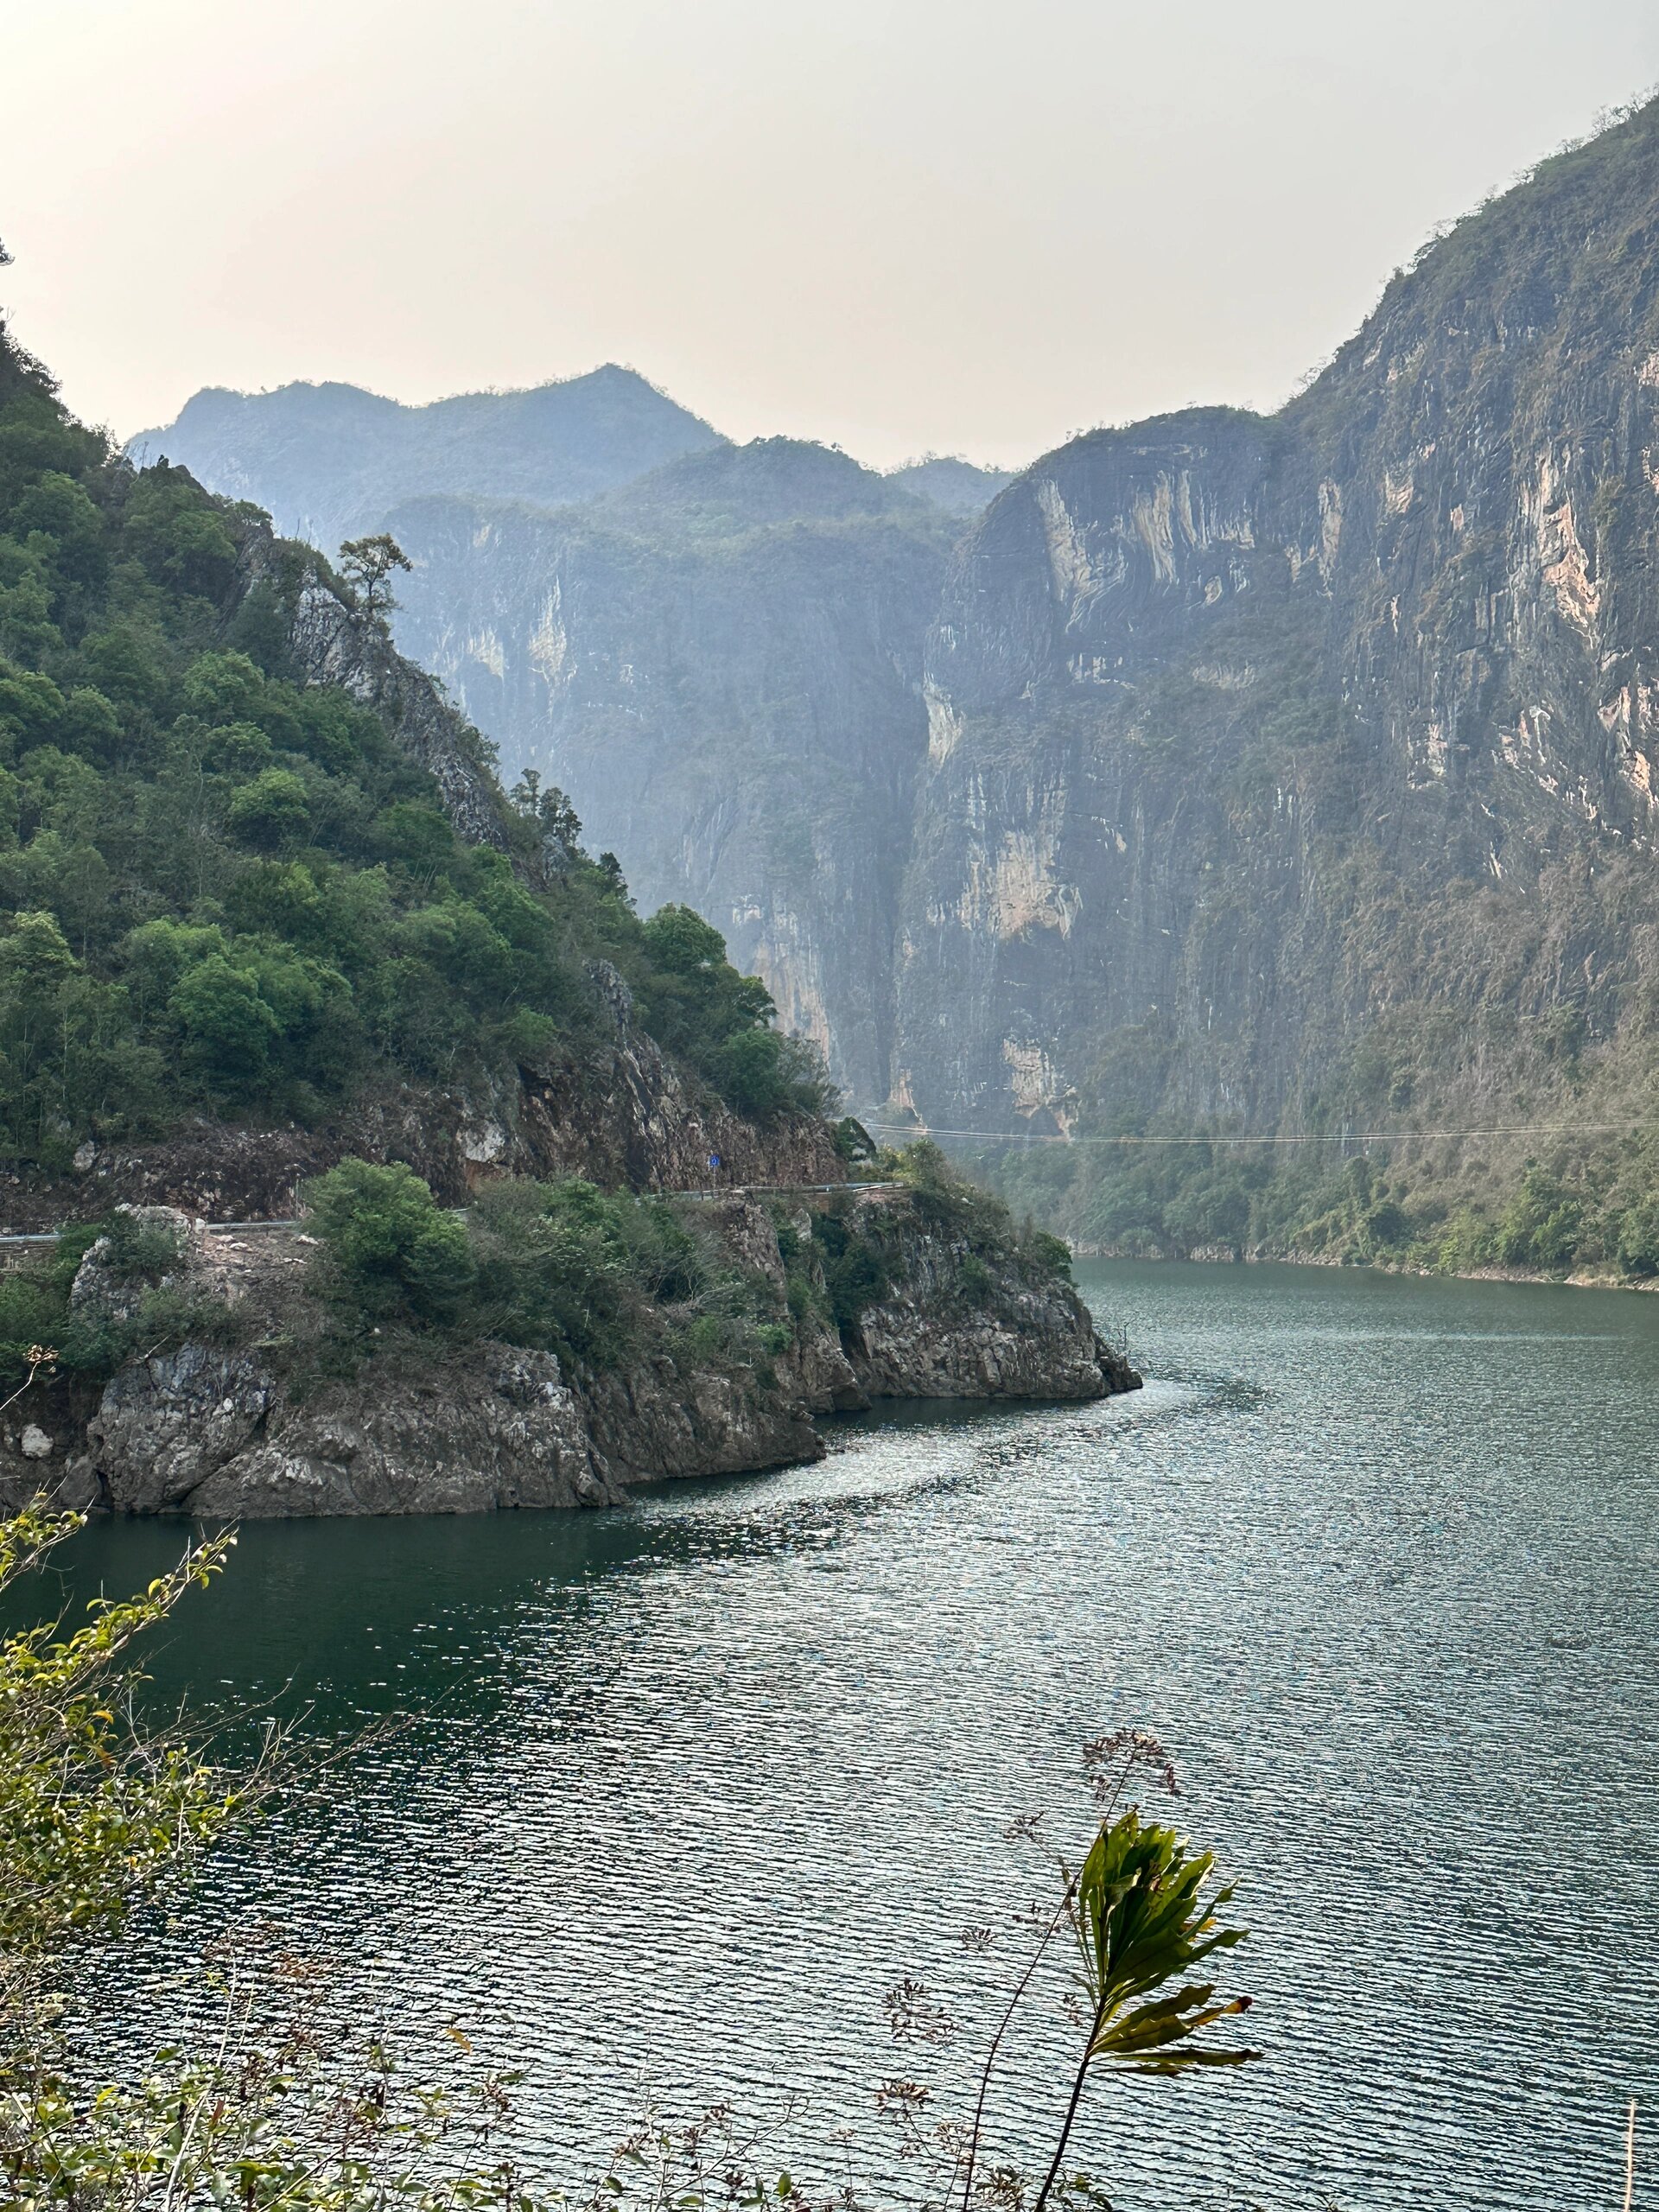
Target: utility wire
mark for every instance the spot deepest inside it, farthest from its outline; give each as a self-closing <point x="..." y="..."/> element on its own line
<point x="1350" y="1136"/>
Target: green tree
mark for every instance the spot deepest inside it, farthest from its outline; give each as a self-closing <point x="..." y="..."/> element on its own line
<point x="31" y="708"/>
<point x="1542" y="1223"/>
<point x="699" y="1005"/>
<point x="179" y="535"/>
<point x="223" y="686"/>
<point x="228" y="1028"/>
<point x="367" y="563"/>
<point x="556" y="1267"/>
<point x="272" y="812"/>
<point x="91" y="1809"/>
<point x="67" y="1051"/>
<point x="391" y="1253"/>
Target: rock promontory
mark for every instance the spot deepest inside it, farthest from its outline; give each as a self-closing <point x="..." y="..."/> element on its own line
<point x="254" y="1403"/>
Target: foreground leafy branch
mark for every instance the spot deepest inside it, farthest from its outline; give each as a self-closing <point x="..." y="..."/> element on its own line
<point x="94" y="1806"/>
<point x="99" y="1808"/>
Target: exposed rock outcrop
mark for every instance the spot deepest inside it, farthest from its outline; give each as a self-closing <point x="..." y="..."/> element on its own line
<point x="169" y="1423"/>
<point x="215" y="1434"/>
<point x="1023" y="1341"/>
<point x="618" y="1111"/>
<point x="223" y="1426"/>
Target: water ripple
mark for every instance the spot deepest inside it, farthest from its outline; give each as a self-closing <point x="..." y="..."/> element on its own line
<point x="1378" y="1557"/>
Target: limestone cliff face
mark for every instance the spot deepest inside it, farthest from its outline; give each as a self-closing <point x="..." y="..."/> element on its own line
<point x="223" y="1424"/>
<point x="721" y="665"/>
<point x="332" y="643"/>
<point x="1259" y="746"/>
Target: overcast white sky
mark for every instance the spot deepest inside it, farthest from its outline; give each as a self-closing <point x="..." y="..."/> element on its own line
<point x="972" y="226"/>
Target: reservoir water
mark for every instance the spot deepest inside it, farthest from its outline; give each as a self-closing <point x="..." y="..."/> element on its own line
<point x="692" y="1785"/>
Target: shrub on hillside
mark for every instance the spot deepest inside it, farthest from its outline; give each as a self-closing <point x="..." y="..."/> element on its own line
<point x="388" y="1251"/>
<point x="563" y="1266"/>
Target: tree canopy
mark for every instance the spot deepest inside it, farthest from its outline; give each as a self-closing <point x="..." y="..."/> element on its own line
<point x="223" y="888"/>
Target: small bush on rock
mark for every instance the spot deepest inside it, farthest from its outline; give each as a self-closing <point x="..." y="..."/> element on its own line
<point x="563" y="1266"/>
<point x="389" y="1252"/>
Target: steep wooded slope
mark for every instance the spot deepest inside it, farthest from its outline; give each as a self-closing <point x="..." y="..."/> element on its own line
<point x="256" y="874"/>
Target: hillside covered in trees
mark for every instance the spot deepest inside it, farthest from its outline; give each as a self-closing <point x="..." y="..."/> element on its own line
<point x="231" y="890"/>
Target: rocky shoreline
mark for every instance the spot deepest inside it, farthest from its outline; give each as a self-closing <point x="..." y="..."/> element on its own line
<point x="231" y="1422"/>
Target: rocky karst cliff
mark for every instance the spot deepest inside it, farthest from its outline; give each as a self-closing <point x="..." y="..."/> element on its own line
<point x="1288" y="771"/>
<point x="1249" y="736"/>
<point x="1272" y="775"/>
<point x="241" y="1415"/>
<point x="1296" y="774"/>
<point x="722" y="663"/>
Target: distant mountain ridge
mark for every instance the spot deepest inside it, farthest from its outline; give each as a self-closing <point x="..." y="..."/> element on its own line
<point x="726" y="489"/>
<point x="328" y="460"/>
<point x="960" y="486"/>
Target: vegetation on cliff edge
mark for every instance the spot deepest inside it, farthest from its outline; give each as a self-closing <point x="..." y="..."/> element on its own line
<point x="597" y="1277"/>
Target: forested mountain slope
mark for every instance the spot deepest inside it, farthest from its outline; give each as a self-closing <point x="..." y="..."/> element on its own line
<point x="256" y="873"/>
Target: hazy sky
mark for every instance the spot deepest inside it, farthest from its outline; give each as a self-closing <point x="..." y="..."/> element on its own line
<point x="940" y="224"/>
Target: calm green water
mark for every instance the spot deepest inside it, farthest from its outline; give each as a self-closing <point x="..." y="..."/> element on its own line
<point x="696" y="1783"/>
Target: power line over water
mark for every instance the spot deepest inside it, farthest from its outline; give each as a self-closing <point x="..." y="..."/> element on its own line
<point x="886" y="1130"/>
